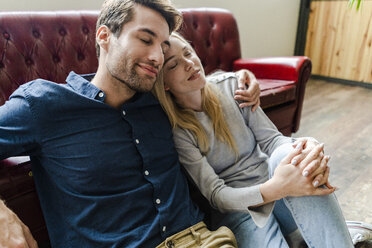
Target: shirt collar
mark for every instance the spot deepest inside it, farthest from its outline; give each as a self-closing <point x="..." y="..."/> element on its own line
<point x="82" y="85"/>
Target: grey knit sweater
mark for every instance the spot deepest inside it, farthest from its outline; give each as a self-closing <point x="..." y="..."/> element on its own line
<point x="232" y="184"/>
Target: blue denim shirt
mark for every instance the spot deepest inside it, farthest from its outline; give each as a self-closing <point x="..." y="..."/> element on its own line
<point x="106" y="177"/>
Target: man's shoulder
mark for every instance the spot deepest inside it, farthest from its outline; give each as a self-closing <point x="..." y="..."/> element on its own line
<point x="40" y="88"/>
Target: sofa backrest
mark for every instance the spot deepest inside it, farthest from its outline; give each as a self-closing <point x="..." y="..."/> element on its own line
<point x="45" y="45"/>
<point x="49" y="45"/>
<point x="214" y="34"/>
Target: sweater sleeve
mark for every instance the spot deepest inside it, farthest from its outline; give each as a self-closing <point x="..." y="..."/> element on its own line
<point x="220" y="196"/>
<point x="266" y="134"/>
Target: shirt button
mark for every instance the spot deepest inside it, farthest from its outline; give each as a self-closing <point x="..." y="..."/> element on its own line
<point x="124" y="113"/>
<point x="164" y="228"/>
<point x="157" y="201"/>
<point x="137" y="141"/>
<point x="147" y="173"/>
<point x="100" y="94"/>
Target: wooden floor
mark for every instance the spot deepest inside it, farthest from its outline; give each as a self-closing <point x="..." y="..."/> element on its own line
<point x="341" y="117"/>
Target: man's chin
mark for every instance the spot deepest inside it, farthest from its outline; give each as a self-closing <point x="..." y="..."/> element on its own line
<point x="145" y="85"/>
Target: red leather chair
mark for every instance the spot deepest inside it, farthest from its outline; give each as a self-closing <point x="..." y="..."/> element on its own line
<point x="50" y="44"/>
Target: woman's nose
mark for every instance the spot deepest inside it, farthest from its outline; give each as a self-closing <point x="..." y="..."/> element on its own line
<point x="189" y="64"/>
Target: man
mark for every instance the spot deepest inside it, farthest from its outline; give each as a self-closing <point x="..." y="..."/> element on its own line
<point x="104" y="162"/>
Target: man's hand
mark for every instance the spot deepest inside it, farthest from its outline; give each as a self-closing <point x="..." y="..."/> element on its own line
<point x="251" y="95"/>
<point x="14" y="234"/>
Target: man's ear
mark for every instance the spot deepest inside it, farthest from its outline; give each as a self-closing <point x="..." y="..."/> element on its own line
<point x="103" y="36"/>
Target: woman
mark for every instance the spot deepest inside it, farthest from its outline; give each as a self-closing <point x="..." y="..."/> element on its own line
<point x="242" y="164"/>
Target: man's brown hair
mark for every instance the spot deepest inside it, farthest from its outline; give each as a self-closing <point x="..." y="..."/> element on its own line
<point x="115" y="13"/>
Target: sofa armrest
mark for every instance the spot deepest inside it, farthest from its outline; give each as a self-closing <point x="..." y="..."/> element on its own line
<point x="15" y="177"/>
<point x="17" y="188"/>
<point x="277" y="70"/>
<point x="294" y="68"/>
<point x="14" y="161"/>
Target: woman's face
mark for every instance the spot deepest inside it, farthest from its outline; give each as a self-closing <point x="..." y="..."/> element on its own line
<point x="183" y="71"/>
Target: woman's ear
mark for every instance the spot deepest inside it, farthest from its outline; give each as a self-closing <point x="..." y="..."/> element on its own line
<point x="103" y="37"/>
<point x="166" y="87"/>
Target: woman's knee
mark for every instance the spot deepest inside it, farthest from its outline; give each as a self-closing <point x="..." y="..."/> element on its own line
<point x="277" y="156"/>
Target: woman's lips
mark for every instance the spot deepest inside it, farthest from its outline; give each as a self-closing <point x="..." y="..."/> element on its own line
<point x="194" y="76"/>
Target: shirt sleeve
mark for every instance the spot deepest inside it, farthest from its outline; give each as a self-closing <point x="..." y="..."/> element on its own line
<point x="18" y="128"/>
<point x="220" y="196"/>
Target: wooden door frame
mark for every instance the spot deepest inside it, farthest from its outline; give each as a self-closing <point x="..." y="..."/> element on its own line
<point x="303" y="21"/>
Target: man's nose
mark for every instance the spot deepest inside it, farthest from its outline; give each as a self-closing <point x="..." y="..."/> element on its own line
<point x="156" y="56"/>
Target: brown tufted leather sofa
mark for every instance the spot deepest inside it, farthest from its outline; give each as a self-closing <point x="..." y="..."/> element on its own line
<point x="51" y="44"/>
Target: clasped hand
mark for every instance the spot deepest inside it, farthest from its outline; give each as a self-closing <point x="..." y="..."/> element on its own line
<point x="303" y="171"/>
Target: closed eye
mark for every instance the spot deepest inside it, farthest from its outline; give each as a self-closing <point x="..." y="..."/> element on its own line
<point x="147" y="42"/>
<point x="187" y="54"/>
<point x="173" y="66"/>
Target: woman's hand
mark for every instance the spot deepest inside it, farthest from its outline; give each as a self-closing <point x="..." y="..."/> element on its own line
<point x="251" y="95"/>
<point x="288" y="179"/>
<point x="316" y="168"/>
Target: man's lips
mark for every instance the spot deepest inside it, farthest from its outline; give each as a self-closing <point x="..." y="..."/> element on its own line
<point x="148" y="69"/>
<point x="195" y="75"/>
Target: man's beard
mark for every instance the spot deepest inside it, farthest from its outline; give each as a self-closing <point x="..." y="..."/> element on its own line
<point x="134" y="81"/>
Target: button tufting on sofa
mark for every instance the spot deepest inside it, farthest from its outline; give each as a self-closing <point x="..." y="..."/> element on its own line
<point x="85" y="30"/>
<point x="62" y="32"/>
<point x="36" y="34"/>
<point x="6" y="35"/>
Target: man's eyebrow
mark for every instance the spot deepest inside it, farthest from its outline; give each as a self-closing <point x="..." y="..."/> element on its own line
<point x="149" y="31"/>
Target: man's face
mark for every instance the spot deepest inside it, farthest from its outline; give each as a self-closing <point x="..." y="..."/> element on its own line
<point x="137" y="55"/>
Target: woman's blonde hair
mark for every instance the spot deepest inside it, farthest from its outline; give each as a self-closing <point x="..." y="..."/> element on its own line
<point x="185" y="118"/>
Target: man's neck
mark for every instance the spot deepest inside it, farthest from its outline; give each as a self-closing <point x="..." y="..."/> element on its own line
<point x="116" y="92"/>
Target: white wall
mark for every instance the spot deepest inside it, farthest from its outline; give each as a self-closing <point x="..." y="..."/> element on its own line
<point x="24" y="5"/>
<point x="266" y="27"/>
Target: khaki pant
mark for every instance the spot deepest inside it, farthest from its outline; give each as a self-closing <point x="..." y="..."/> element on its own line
<point x="199" y="236"/>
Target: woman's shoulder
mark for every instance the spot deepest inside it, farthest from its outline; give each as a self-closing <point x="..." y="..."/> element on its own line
<point x="221" y="76"/>
<point x="226" y="81"/>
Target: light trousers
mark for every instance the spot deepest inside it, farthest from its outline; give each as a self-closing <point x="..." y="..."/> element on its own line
<point x="319" y="219"/>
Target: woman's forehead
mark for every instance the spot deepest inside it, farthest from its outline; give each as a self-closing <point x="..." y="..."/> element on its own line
<point x="176" y="46"/>
<point x="177" y="42"/>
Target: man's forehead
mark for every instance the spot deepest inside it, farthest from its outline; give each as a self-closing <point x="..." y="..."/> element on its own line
<point x="150" y="21"/>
